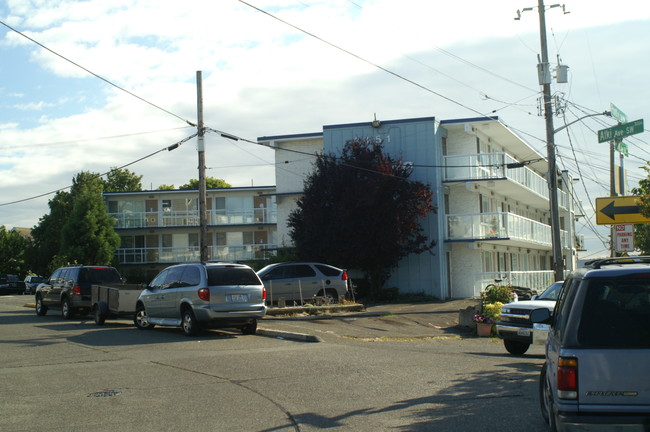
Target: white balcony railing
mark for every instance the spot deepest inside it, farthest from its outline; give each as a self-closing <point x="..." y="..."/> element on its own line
<point x="538" y="280"/>
<point x="192" y="253"/>
<point x="500" y="225"/>
<point x="486" y="166"/>
<point x="191" y="218"/>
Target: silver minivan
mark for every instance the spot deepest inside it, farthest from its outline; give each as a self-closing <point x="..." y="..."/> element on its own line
<point x="196" y="296"/>
<point x="597" y="374"/>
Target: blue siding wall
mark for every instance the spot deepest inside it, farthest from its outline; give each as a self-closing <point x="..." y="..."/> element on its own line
<point x="416" y="141"/>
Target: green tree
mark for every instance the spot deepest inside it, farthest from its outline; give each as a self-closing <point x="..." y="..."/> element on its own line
<point x="122" y="180"/>
<point x="166" y="187"/>
<point x="642" y="231"/>
<point x="88" y="236"/>
<point x="46" y="235"/>
<point x="12" y="249"/>
<point x="361" y="211"/>
<point x="210" y="182"/>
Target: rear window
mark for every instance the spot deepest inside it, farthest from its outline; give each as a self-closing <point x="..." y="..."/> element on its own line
<point x="616" y="313"/>
<point x="328" y="270"/>
<point x="219" y="276"/>
<point x="99" y="275"/>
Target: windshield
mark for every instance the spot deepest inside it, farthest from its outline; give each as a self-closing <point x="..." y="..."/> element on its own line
<point x="551" y="292"/>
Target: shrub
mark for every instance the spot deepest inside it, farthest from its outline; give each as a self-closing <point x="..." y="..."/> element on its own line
<point x="497" y="293"/>
<point x="493" y="311"/>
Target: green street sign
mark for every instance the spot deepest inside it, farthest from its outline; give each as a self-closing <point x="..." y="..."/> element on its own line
<point x="620" y="131"/>
<point x="617" y="113"/>
<point x="621" y="147"/>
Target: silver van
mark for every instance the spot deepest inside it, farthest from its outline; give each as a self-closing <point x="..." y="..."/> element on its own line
<point x="196" y="296"/>
<point x="597" y="370"/>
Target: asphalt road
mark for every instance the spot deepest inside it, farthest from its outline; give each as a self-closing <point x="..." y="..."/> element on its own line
<point x="417" y="375"/>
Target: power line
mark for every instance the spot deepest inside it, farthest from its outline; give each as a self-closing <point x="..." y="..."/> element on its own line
<point x="96" y="75"/>
<point x="168" y="148"/>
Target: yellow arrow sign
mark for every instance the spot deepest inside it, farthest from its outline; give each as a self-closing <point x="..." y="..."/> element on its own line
<point x="619" y="210"/>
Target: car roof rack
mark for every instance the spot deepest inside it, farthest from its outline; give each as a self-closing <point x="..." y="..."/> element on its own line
<point x="616" y="261"/>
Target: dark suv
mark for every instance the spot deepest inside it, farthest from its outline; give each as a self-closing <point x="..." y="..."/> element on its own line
<point x="597" y="370"/>
<point x="68" y="288"/>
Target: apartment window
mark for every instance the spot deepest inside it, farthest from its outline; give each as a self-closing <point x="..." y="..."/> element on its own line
<point x="167" y="205"/>
<point x="488" y="265"/>
<point x="112" y="206"/>
<point x="220" y="238"/>
<point x="193" y="239"/>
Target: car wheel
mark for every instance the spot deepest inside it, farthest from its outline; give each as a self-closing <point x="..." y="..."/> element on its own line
<point x="189" y="324"/>
<point x="515" y="347"/>
<point x="66" y="309"/>
<point x="100" y="318"/>
<point x="41" y="309"/>
<point x="250" y="329"/>
<point x="546" y="401"/>
<point x="141" y="319"/>
<point x="331" y="292"/>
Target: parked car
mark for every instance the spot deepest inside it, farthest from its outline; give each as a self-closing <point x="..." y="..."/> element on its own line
<point x="300" y="281"/>
<point x="196" y="296"/>
<point x="516" y="329"/>
<point x="596" y="375"/>
<point x="68" y="289"/>
<point x="10" y="284"/>
<point x="31" y="282"/>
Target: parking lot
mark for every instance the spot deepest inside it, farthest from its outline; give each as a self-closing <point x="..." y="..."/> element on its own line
<point x="393" y="367"/>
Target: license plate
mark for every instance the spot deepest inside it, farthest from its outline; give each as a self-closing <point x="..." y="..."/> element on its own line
<point x="523" y="332"/>
<point x="237" y="298"/>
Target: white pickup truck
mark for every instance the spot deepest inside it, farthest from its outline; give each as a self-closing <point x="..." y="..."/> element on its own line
<point x="515" y="327"/>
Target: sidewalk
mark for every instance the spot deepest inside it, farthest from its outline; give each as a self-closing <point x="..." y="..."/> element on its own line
<point x="383" y="321"/>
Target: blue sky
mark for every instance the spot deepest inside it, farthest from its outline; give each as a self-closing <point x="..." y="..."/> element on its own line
<point x="262" y="77"/>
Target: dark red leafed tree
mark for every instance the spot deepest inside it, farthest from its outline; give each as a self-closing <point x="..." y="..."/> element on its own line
<point x="360" y="211"/>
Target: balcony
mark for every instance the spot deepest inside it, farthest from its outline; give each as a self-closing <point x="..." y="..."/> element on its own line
<point x="192" y="254"/>
<point x="183" y="218"/>
<point x="538" y="280"/>
<point x="512" y="229"/>
<point x="522" y="184"/>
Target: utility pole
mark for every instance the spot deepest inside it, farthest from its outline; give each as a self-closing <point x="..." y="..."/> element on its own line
<point x="544" y="73"/>
<point x="203" y="220"/>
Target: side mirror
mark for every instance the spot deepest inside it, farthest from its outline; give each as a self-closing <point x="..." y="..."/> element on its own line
<point x="534" y="297"/>
<point x="541" y="316"/>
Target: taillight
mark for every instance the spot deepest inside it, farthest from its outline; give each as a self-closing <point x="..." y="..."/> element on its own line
<point x="344" y="276"/>
<point x="264" y="293"/>
<point x="204" y="294"/>
<point x="76" y="290"/>
<point x="567" y="378"/>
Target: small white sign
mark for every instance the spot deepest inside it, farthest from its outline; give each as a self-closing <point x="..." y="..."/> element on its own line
<point x="624" y="235"/>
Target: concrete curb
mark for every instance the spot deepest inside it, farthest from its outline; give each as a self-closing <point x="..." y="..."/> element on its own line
<point x="288" y="335"/>
<point x="275" y="311"/>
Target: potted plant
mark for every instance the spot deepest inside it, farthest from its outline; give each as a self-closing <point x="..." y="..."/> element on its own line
<point x="483" y="325"/>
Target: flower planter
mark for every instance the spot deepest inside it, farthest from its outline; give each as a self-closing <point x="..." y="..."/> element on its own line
<point x="483" y="329"/>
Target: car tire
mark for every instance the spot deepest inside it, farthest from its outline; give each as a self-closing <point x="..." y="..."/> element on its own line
<point x="67" y="312"/>
<point x="546" y="401"/>
<point x="41" y="309"/>
<point x="331" y="292"/>
<point x="188" y="322"/>
<point x="250" y="329"/>
<point x="141" y="319"/>
<point x="100" y="318"/>
<point x="516" y="347"/>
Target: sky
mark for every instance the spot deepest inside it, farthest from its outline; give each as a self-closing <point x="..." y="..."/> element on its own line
<point x="91" y="85"/>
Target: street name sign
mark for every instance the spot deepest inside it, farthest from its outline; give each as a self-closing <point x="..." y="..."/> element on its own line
<point x="620" y="131"/>
<point x="619" y="210"/>
<point x="617" y="113"/>
<point x="624" y="234"/>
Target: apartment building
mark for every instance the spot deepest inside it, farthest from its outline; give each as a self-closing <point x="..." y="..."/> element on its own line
<point x="161" y="227"/>
<point x="493" y="219"/>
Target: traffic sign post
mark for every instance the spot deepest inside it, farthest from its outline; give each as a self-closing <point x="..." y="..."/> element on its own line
<point x="619" y="210"/>
<point x="620" y="131"/>
<point x="624" y="237"/>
